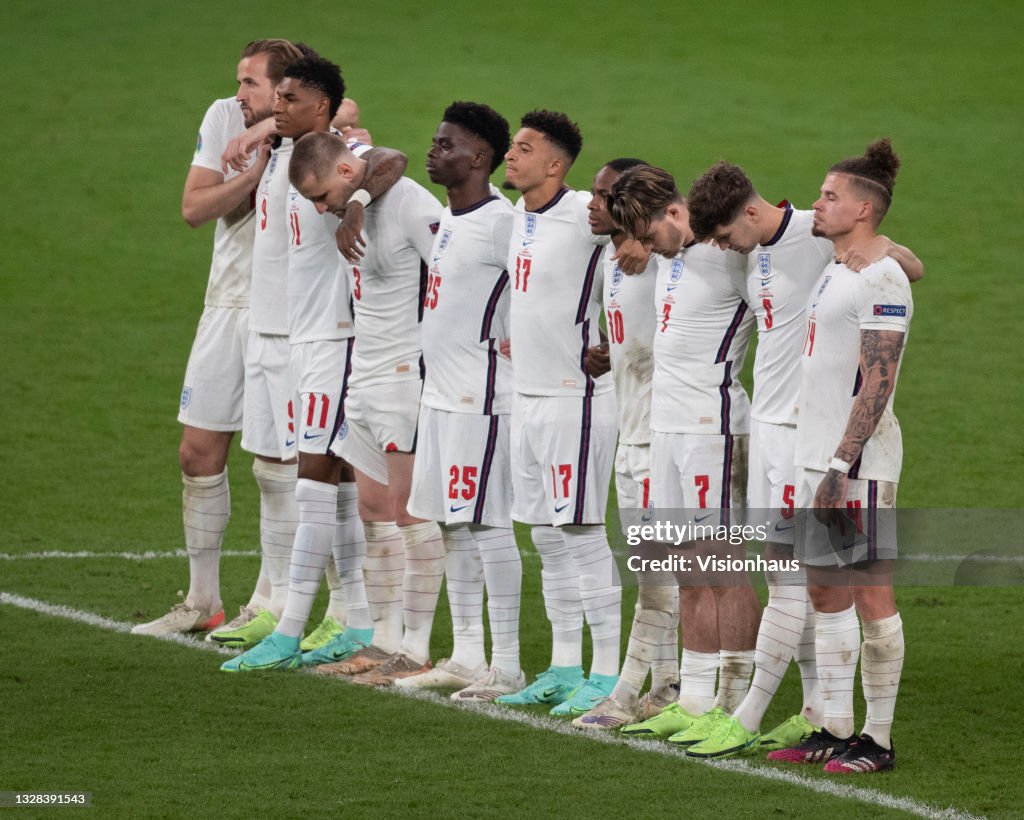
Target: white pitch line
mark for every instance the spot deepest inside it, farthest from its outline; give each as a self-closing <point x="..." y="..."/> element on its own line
<point x="152" y="555"/>
<point x="149" y="555"/>
<point x="833" y="789"/>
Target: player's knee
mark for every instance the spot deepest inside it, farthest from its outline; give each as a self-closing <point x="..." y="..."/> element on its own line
<point x="196" y="461"/>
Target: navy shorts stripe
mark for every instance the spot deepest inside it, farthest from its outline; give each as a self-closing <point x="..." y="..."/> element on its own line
<point x="723" y="391"/>
<point x="872" y="520"/>
<point x="340" y="415"/>
<point x="726" y="499"/>
<point x="485" y="469"/>
<point x="581" y="467"/>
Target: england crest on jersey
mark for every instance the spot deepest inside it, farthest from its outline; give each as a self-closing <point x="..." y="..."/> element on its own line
<point x="273" y="164"/>
<point x="764" y="267"/>
<point x="531" y="224"/>
<point x="821" y="290"/>
<point x="445" y="239"/>
<point x="677" y="270"/>
<point x="186" y="396"/>
<point x="616" y="276"/>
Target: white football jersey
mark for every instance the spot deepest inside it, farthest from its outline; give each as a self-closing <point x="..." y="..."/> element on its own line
<point x="703" y="326"/>
<point x="268" y="311"/>
<point x="555" y="272"/>
<point x="319" y="304"/>
<point x="465" y="311"/>
<point x="231" y="267"/>
<point x="388" y="284"/>
<point x="842" y="304"/>
<point x="629" y="318"/>
<point x="780" y="275"/>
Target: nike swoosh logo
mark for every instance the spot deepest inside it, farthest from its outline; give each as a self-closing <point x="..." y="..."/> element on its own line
<point x="307" y="436"/>
<point x="612" y="294"/>
<point x="289" y="442"/>
<point x="671" y="287"/>
<point x="780" y="528"/>
<point x="559" y="509"/>
<point x="548" y="693"/>
<point x="699" y="518"/>
<point x="453" y="508"/>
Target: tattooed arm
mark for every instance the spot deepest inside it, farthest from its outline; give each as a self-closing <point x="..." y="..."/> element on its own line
<point x="880" y="352"/>
<point x="384" y="167"/>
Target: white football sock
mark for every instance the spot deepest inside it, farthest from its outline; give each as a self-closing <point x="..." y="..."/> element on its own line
<point x="838" y="646"/>
<point x="206" y="508"/>
<point x="782" y="625"/>
<point x="503" y="573"/>
<point x="806" y="657"/>
<point x="665" y="664"/>
<point x="881" y="664"/>
<point x="465" y="579"/>
<point x="697" y="674"/>
<point x="310" y="554"/>
<point x="383" y="569"/>
<point x="260" y="598"/>
<point x="336" y="590"/>
<point x="600" y="593"/>
<point x="560" y="585"/>
<point x="734" y="668"/>
<point x="652" y="619"/>
<point x="421" y="585"/>
<point x="349" y="548"/>
<point x="279" y="517"/>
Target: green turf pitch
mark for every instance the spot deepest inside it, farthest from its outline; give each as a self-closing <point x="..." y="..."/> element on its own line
<point x="102" y="285"/>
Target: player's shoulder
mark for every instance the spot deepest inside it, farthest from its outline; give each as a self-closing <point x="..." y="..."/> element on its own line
<point x="223" y="117"/>
<point x="885" y="275"/>
<point x="225" y="107"/>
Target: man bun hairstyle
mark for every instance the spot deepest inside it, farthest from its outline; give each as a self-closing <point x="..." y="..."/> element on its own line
<point x="321" y="74"/>
<point x="640" y="195"/>
<point x="280" y="54"/>
<point x="558" y="128"/>
<point x="874" y="174"/>
<point x="485" y="123"/>
<point x="717" y="198"/>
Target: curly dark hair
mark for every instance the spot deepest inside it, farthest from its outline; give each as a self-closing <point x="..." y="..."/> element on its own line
<point x="484" y="122"/>
<point x="321" y="74"/>
<point x="873" y="174"/>
<point x="558" y="128"/>
<point x="717" y="198"/>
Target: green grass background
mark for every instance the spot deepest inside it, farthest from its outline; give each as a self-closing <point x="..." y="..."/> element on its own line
<point x="102" y="284"/>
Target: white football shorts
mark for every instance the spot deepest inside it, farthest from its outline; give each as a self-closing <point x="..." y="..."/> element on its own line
<point x="699" y="479"/>
<point x="320" y="372"/>
<point x="379" y="419"/>
<point x="867" y="532"/>
<point x="211" y="398"/>
<point x="771" y="483"/>
<point x="462" y="473"/>
<point x="268" y="428"/>
<point x="562" y="449"/>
